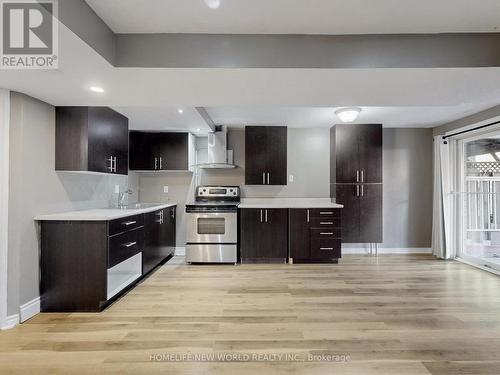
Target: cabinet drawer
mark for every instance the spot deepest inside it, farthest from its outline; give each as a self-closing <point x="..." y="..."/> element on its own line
<point x="124" y="246"/>
<point x="125" y="224"/>
<point x="326" y="248"/>
<point x="327" y="233"/>
<point x="319" y="222"/>
<point x="324" y="212"/>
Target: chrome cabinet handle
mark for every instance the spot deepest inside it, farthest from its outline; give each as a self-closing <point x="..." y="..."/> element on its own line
<point x="326" y="248"/>
<point x="261" y="218"/>
<point x="308" y="216"/>
<point x="326" y="223"/>
<point x="326" y="213"/>
<point x="161" y="162"/>
<point x="130" y="244"/>
<point x="263" y="178"/>
<point x="127" y="223"/>
<point x="327" y="234"/>
<point x="362" y="175"/>
<point x="156" y="163"/>
<point x="268" y="178"/>
<point x="266" y="215"/>
<point x="362" y="190"/>
<point x="110" y="159"/>
<point x="357" y="176"/>
<point x="357" y="190"/>
<point x="115" y="164"/>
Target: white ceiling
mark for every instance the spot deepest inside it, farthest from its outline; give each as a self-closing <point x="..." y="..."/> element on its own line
<point x="299" y="16"/>
<point x="150" y="97"/>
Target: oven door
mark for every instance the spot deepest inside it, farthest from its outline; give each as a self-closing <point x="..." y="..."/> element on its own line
<point x="213" y="227"/>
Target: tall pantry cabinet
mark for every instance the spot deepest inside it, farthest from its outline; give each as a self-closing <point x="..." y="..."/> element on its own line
<point x="356" y="180"/>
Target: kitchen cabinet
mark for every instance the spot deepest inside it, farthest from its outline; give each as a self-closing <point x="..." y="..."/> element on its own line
<point x="160" y="151"/>
<point x="91" y="139"/>
<point x="159" y="238"/>
<point x="357" y="153"/>
<point x="356" y="180"/>
<point x="263" y="234"/>
<point x="86" y="265"/>
<point x="362" y="213"/>
<point x="315" y="235"/>
<point x="266" y="155"/>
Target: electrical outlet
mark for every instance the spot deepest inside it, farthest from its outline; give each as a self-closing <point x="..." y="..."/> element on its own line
<point x="165" y="189"/>
<point x="290" y="178"/>
<point x="117" y="189"/>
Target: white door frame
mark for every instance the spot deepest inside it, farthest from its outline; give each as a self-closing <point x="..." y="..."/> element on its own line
<point x="4" y="200"/>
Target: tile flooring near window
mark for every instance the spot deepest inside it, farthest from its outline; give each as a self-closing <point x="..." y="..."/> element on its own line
<point x="388" y="315"/>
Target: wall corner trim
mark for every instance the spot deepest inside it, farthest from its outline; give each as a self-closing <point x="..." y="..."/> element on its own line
<point x="10" y="322"/>
<point x="29" y="309"/>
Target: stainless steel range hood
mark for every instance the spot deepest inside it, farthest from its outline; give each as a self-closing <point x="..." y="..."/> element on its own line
<point x="217" y="150"/>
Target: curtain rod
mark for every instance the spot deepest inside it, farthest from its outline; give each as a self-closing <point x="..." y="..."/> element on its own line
<point x="469" y="130"/>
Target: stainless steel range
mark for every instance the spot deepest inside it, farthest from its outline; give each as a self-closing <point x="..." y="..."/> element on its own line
<point x="212" y="225"/>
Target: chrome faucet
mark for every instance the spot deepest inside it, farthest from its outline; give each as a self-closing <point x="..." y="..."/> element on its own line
<point x="121" y="197"/>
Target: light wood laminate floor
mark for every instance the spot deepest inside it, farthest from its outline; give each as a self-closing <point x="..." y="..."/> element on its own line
<point x="388" y="315"/>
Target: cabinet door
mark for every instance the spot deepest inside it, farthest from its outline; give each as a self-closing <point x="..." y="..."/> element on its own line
<point x="346" y="153"/>
<point x="370" y="222"/>
<point x="276" y="164"/>
<point x="141" y="151"/>
<point x="275" y="233"/>
<point x="251" y="227"/>
<point x="299" y="234"/>
<point x="255" y="155"/>
<point x="370" y="153"/>
<point x="119" y="142"/>
<point x="100" y="130"/>
<point x="347" y="195"/>
<point x="172" y="150"/>
<point x="170" y="217"/>
<point x="152" y="240"/>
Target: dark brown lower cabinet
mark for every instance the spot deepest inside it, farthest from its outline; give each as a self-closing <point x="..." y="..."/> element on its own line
<point x="263" y="234"/>
<point x="159" y="240"/>
<point x="315" y="235"/>
<point x="86" y="265"/>
<point x="362" y="212"/>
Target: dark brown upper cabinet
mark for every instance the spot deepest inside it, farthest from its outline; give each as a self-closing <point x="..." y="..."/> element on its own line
<point x="357" y="153"/>
<point x="266" y="155"/>
<point x="91" y="139"/>
<point x="150" y="151"/>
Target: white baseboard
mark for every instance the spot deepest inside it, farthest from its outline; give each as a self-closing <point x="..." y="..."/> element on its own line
<point x="11" y="321"/>
<point x="388" y="250"/>
<point x="29" y="309"/>
<point x="181" y="251"/>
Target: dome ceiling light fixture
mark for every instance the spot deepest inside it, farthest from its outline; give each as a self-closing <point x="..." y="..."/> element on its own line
<point x="213" y="4"/>
<point x="348" y="114"/>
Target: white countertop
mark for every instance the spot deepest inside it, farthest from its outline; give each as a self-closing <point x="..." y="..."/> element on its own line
<point x="101" y="214"/>
<point x="288" y="203"/>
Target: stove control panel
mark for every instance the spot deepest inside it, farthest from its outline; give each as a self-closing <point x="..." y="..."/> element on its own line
<point x="218" y="192"/>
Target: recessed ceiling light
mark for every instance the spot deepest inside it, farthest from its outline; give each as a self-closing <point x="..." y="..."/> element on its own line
<point x="98" y="89"/>
<point x="348" y="114"/>
<point x="180" y="110"/>
<point x="198" y="130"/>
<point x="212" y="4"/>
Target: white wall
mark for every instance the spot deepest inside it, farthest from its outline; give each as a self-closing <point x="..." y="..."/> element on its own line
<point x="36" y="188"/>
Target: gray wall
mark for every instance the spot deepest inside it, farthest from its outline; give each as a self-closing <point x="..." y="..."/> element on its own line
<point x="469" y="120"/>
<point x="407" y="175"/>
<point x="35" y="188"/>
<point x="407" y="188"/>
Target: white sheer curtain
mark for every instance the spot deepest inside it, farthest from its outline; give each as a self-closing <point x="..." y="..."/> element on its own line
<point x="442" y="246"/>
